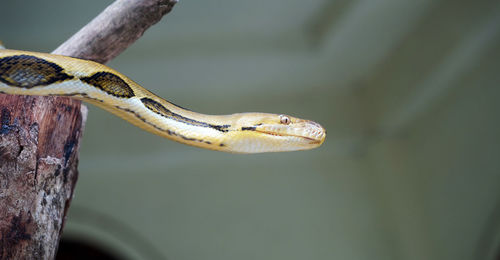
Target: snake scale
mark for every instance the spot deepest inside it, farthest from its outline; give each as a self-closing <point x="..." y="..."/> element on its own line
<point x="42" y="74"/>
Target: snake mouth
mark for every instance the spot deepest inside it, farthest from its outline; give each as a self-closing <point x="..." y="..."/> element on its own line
<point x="310" y="140"/>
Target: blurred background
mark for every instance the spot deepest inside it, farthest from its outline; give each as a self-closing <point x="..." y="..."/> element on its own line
<point x="408" y="91"/>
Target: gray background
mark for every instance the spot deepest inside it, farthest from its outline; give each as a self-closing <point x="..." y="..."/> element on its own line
<point x="408" y="91"/>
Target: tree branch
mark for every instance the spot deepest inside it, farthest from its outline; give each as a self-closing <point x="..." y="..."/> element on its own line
<point x="116" y="28"/>
<point x="40" y="137"/>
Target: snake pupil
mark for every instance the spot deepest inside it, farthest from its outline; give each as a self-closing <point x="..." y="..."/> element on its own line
<point x="285" y="119"/>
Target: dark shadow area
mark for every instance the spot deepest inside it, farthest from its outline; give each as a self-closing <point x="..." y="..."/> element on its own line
<point x="80" y="250"/>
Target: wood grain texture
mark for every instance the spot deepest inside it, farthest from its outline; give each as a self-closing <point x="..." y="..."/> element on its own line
<point x="40" y="137"/>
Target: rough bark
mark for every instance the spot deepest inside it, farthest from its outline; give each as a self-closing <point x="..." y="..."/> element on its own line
<point x="40" y="137"/>
<point x="39" y="141"/>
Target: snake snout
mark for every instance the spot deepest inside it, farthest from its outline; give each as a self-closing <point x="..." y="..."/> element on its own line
<point x="314" y="132"/>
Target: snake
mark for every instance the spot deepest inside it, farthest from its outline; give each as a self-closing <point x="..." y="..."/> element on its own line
<point x="43" y="74"/>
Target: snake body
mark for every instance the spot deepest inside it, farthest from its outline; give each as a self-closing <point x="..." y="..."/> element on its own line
<point x="32" y="73"/>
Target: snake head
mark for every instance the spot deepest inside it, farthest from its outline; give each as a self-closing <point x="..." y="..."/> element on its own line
<point x="261" y="132"/>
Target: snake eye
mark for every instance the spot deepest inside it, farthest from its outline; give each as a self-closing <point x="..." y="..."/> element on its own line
<point x="285" y="120"/>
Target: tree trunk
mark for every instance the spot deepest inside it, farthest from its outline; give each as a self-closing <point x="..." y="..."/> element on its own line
<point x="40" y="137"/>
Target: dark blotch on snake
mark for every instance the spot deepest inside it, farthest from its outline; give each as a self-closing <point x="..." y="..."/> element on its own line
<point x="248" y="128"/>
<point x="161" y="110"/>
<point x="27" y="71"/>
<point x="169" y="132"/>
<point x="110" y="83"/>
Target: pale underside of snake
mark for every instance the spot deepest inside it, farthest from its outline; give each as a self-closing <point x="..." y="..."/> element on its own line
<point x="42" y="74"/>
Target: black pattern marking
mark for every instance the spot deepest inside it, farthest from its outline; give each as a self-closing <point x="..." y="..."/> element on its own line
<point x="168" y="131"/>
<point x="248" y="128"/>
<point x="159" y="109"/>
<point x="222" y="128"/>
<point x="27" y="71"/>
<point x="72" y="94"/>
<point x="110" y="83"/>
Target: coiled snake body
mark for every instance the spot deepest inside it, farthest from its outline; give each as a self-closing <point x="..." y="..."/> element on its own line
<point x="31" y="73"/>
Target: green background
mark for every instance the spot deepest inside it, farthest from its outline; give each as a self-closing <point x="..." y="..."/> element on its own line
<point x="407" y="90"/>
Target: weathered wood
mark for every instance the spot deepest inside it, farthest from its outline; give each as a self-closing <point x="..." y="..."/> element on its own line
<point x="39" y="141"/>
<point x="40" y="136"/>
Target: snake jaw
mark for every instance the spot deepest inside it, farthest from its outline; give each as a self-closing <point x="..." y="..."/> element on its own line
<point x="314" y="138"/>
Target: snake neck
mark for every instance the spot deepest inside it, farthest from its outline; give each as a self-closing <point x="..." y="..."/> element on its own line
<point x="166" y="119"/>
